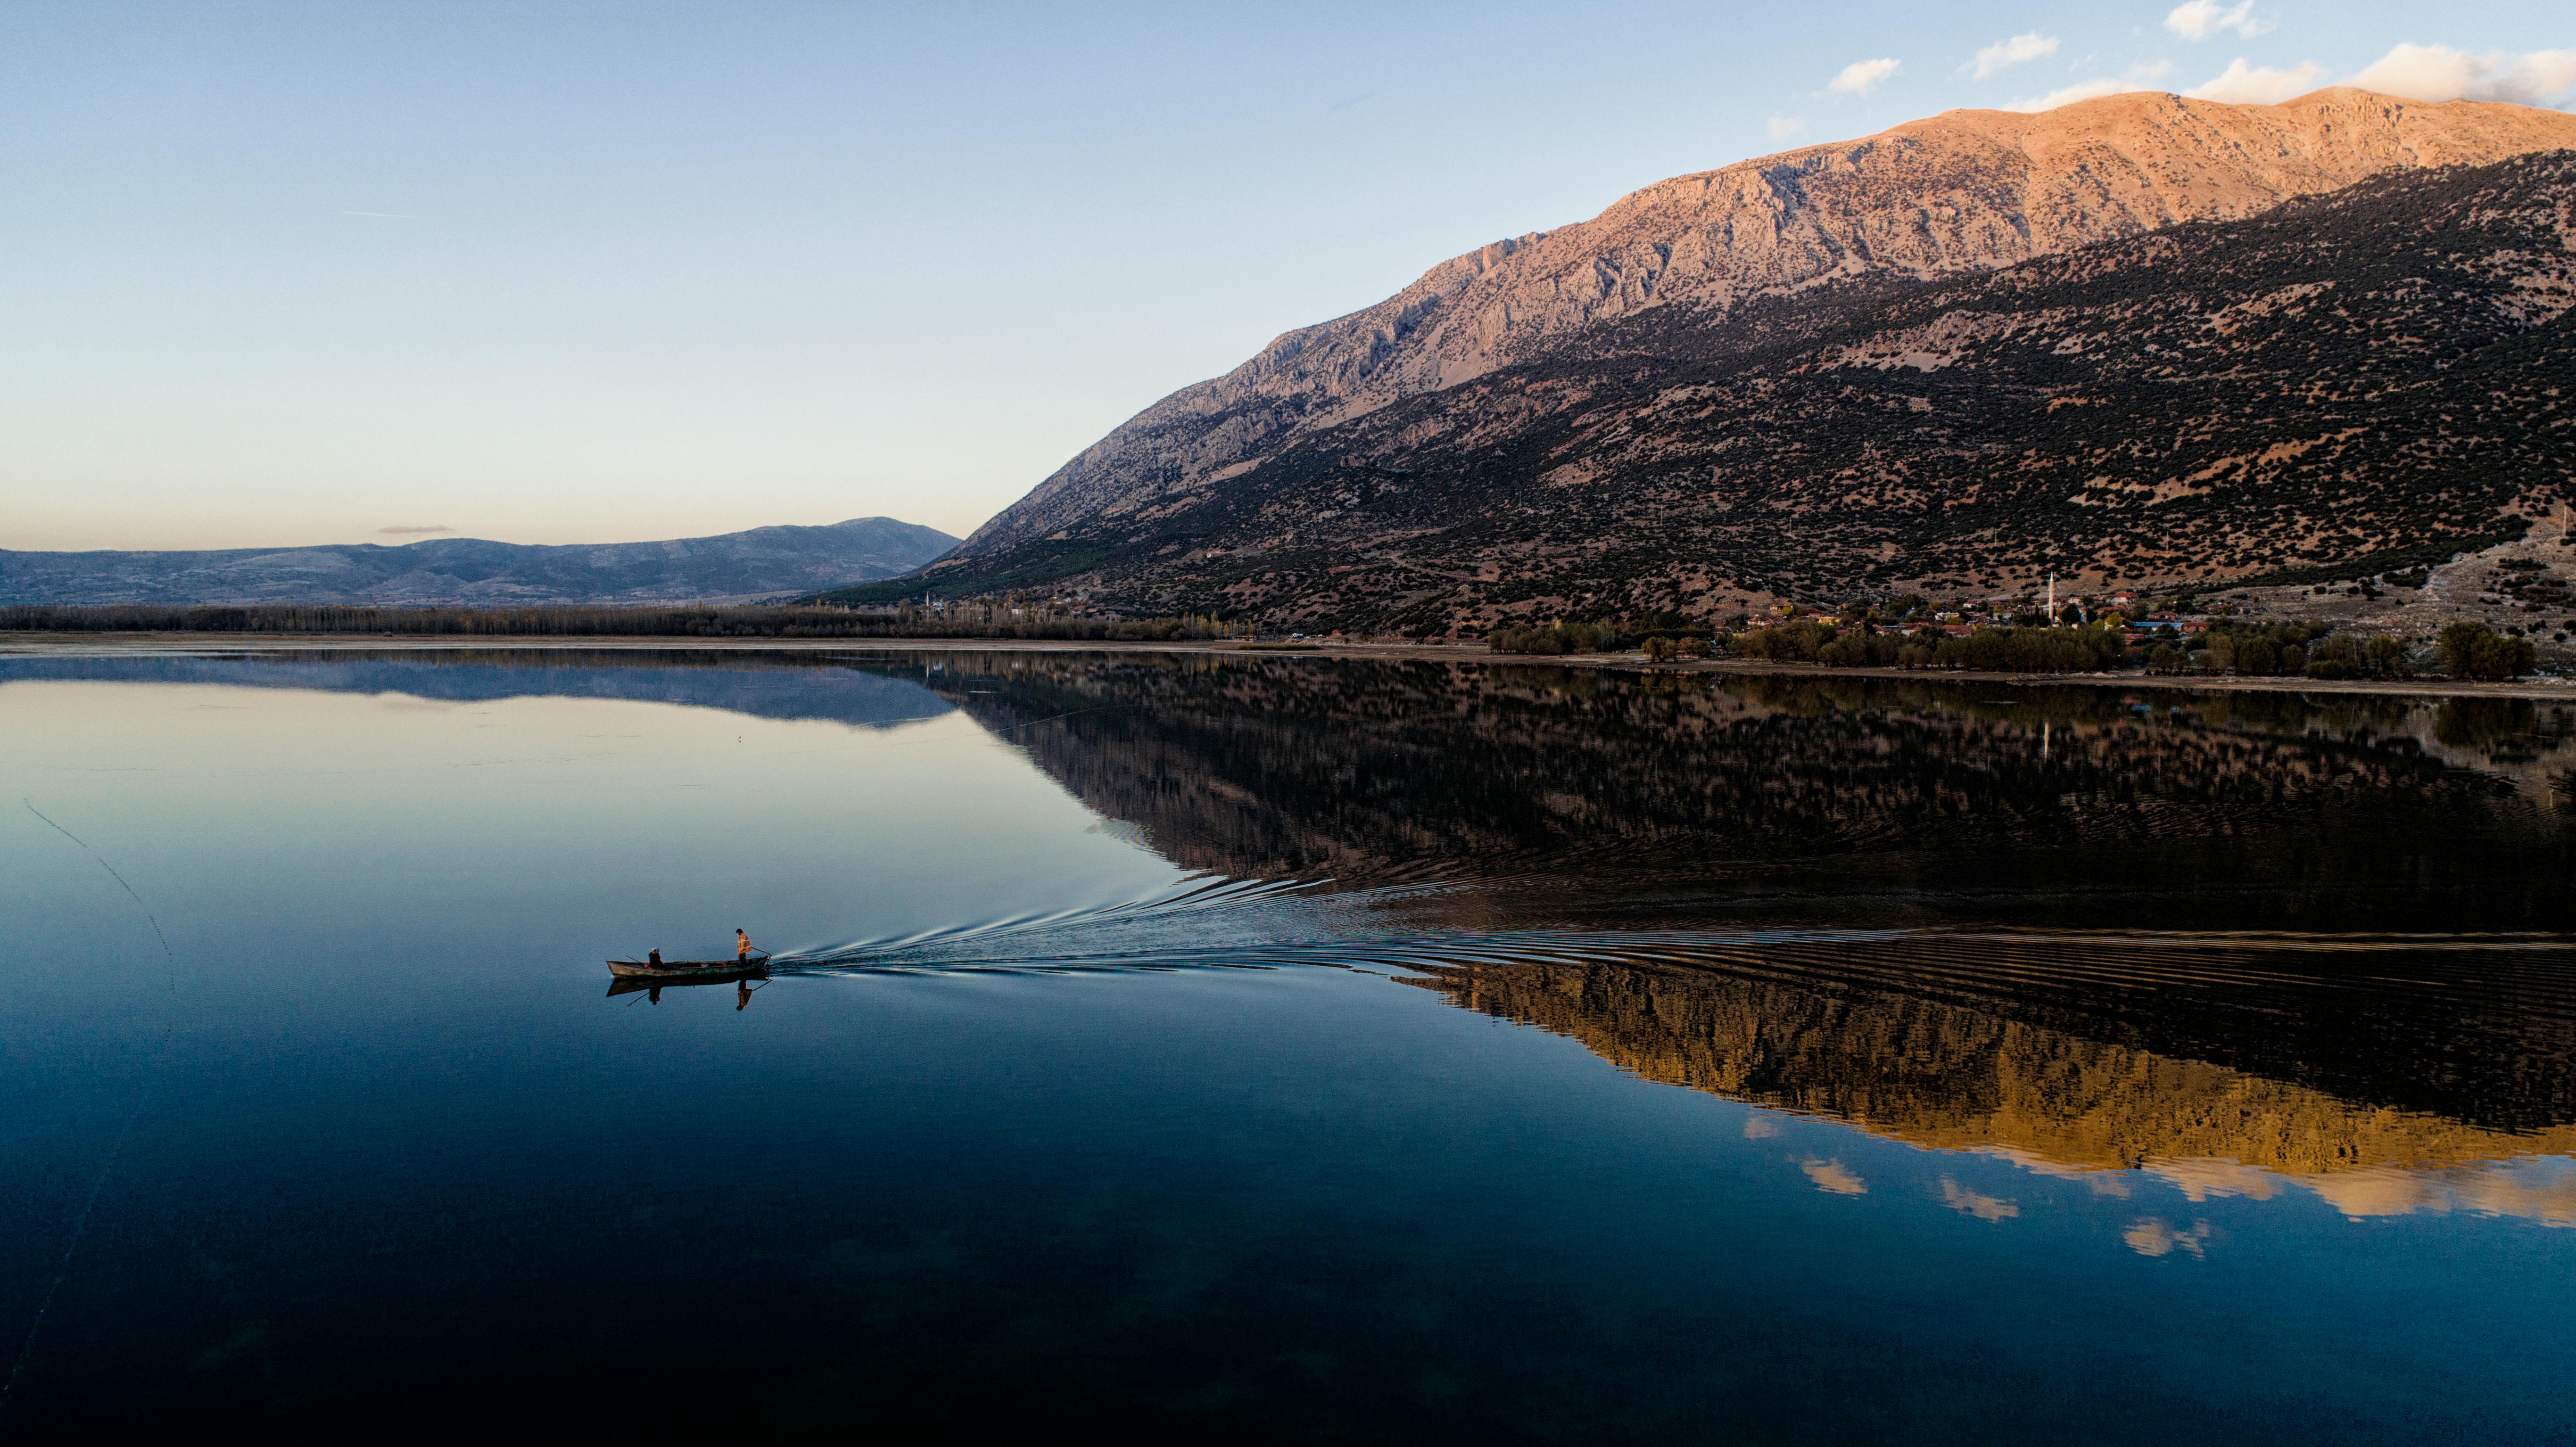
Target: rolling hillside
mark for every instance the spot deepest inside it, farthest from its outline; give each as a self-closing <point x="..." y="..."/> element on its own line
<point x="763" y="562"/>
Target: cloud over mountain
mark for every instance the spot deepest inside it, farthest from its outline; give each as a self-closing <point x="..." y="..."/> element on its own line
<point x="2439" y="73"/>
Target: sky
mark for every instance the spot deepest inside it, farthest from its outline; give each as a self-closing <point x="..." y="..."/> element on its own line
<point x="286" y="274"/>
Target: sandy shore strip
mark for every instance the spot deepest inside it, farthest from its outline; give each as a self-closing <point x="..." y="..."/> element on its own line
<point x="109" y="645"/>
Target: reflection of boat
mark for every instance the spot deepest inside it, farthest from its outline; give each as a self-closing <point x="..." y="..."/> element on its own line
<point x="693" y="972"/>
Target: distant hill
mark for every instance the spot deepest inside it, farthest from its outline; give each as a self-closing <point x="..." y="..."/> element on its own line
<point x="2126" y="340"/>
<point x="764" y="562"/>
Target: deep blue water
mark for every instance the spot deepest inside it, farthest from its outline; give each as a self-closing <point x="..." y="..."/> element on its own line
<point x="1277" y="1049"/>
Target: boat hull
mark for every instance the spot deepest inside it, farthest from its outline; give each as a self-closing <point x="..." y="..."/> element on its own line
<point x="674" y="970"/>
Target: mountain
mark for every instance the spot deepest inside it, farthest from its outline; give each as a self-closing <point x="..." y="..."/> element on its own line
<point x="762" y="562"/>
<point x="1362" y="471"/>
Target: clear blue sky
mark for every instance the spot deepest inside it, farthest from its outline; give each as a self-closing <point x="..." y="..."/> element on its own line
<point x="278" y="274"/>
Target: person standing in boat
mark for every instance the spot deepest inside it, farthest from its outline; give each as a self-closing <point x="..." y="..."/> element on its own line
<point x="654" y="959"/>
<point x="741" y="948"/>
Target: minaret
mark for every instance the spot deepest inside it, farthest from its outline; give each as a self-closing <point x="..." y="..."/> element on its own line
<point x="2052" y="600"/>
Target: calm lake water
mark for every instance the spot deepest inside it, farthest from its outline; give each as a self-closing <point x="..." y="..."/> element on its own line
<point x="1278" y="1048"/>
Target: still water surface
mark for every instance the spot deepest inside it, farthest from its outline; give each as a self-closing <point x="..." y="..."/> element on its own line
<point x="1279" y="1048"/>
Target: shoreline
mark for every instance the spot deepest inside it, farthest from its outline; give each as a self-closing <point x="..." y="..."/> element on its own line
<point x="145" y="644"/>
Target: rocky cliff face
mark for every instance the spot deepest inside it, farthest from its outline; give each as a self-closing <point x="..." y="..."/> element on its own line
<point x="1962" y="192"/>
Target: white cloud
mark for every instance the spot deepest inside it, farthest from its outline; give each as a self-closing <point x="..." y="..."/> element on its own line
<point x="2438" y="73"/>
<point x="1784" y="127"/>
<point x="2138" y="77"/>
<point x="1862" y="76"/>
<point x="2004" y="54"/>
<point x="2201" y="19"/>
<point x="2240" y="84"/>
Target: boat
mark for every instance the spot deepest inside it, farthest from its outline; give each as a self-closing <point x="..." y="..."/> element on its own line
<point x="693" y="971"/>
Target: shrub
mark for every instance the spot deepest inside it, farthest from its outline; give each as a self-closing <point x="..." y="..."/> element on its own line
<point x="1556" y="638"/>
<point x="1851" y="650"/>
<point x="1797" y="642"/>
<point x="2261" y="650"/>
<point x="2034" y="650"/>
<point x="2473" y="650"/>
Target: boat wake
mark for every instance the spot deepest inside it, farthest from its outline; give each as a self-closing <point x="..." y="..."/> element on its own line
<point x="1971" y="959"/>
<point x="1198" y="895"/>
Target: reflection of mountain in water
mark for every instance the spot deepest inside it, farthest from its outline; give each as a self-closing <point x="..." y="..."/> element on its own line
<point x="761" y="688"/>
<point x="2238" y="809"/>
<point x="2384" y="1083"/>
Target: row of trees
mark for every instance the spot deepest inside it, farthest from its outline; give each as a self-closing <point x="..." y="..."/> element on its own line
<point x="1558" y="639"/>
<point x="2349" y="655"/>
<point x="2261" y="650"/>
<point x="2467" y="650"/>
<point x="2011" y="649"/>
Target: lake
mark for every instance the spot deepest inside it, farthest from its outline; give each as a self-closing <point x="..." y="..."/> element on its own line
<point x="1278" y="1048"/>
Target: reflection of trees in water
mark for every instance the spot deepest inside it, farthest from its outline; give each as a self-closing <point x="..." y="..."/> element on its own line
<point x="2237" y="808"/>
<point x="2075" y="1074"/>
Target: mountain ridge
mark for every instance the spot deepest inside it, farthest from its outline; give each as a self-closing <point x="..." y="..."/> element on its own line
<point x="1557" y="482"/>
<point x="1959" y="191"/>
<point x="778" y="561"/>
<point x="2357" y="384"/>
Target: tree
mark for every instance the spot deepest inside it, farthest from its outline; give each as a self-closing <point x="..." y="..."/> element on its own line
<point x="2473" y="650"/>
<point x="2033" y="650"/>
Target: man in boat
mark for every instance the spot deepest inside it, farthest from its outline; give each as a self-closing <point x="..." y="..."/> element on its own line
<point x="654" y="959"/>
<point x="741" y="948"/>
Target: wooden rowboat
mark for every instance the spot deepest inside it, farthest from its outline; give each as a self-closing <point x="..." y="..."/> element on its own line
<point x="694" y="971"/>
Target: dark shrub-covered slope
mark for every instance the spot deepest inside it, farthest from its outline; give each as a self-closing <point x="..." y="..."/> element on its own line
<point x="2349" y="385"/>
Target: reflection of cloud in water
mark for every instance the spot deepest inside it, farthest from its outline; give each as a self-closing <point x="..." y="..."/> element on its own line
<point x="1758" y="1127"/>
<point x="1833" y="1176"/>
<point x="2100" y="1181"/>
<point x="2152" y="1237"/>
<point x="1984" y="1208"/>
<point x="2204" y="1177"/>
<point x="2523" y="1188"/>
<point x="2528" y="1188"/>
